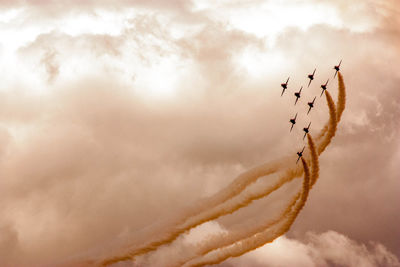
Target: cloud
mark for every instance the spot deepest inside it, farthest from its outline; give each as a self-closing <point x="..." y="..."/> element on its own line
<point x="91" y="159"/>
<point x="325" y="249"/>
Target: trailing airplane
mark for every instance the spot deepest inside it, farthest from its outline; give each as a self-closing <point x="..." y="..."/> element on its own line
<point x="300" y="154"/>
<point x="306" y="130"/>
<point x="293" y="122"/>
<point x="337" y="68"/>
<point x="311" y="77"/>
<point x="297" y="95"/>
<point x="323" y="86"/>
<point x="284" y="85"/>
<point x="311" y="105"/>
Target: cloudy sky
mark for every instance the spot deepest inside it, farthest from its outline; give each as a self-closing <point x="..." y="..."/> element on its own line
<point x="117" y="115"/>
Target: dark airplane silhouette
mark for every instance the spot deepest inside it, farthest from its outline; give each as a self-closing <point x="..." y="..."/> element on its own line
<point x="297" y="95"/>
<point x="323" y="86"/>
<point x="337" y="68"/>
<point x="293" y="122"/>
<point x="284" y="85"/>
<point x="311" y="105"/>
<point x="311" y="77"/>
<point x="306" y="130"/>
<point x="300" y="154"/>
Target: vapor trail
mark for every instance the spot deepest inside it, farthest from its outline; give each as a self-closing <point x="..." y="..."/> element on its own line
<point x="332" y="124"/>
<point x="204" y="212"/>
<point x="314" y="161"/>
<point x="258" y="239"/>
<point x="223" y="240"/>
<point x="340" y="105"/>
<point x="181" y="226"/>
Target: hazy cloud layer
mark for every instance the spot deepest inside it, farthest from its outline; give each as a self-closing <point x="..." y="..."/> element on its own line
<point x="102" y="134"/>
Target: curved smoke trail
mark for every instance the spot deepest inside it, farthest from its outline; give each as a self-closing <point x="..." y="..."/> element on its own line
<point x="261" y="238"/>
<point x="332" y="124"/>
<point x="201" y="214"/>
<point x="314" y="161"/>
<point x="341" y="104"/>
<point x="223" y="240"/>
<point x="181" y="226"/>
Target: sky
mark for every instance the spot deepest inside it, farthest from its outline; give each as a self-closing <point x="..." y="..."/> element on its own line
<point x="115" y="116"/>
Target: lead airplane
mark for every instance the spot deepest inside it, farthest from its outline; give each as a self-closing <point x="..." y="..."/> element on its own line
<point x="323" y="86"/>
<point x="306" y="130"/>
<point x="311" y="105"/>
<point x="337" y="68"/>
<point x="284" y="85"/>
<point x="300" y="154"/>
<point x="311" y="77"/>
<point x="293" y="122"/>
<point x="297" y="95"/>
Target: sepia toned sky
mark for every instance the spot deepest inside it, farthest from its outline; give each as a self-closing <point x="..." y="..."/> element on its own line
<point x="115" y="115"/>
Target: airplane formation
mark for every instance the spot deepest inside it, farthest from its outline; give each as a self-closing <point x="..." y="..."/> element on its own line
<point x="310" y="104"/>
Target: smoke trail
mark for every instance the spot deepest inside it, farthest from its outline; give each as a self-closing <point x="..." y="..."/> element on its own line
<point x="223" y="240"/>
<point x="258" y="239"/>
<point x="189" y="219"/>
<point x="233" y="189"/>
<point x="332" y="124"/>
<point x="314" y="161"/>
<point x="341" y="104"/>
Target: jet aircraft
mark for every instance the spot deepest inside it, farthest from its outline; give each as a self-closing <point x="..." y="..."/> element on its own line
<point x="311" y="105"/>
<point x="323" y="86"/>
<point x="297" y="95"/>
<point x="311" y="77"/>
<point x="300" y="154"/>
<point x="293" y="122"/>
<point x="306" y="130"/>
<point x="337" y="68"/>
<point x="284" y="85"/>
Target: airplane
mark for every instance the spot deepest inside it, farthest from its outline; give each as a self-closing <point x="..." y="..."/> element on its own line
<point x="311" y="104"/>
<point x="306" y="130"/>
<point x="337" y="68"/>
<point x="323" y="86"/>
<point x="300" y="154"/>
<point x="311" y="77"/>
<point x="293" y="122"/>
<point x="284" y="85"/>
<point x="297" y="95"/>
